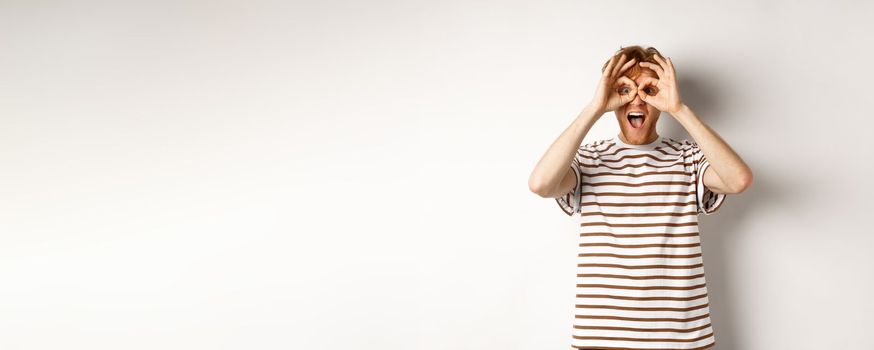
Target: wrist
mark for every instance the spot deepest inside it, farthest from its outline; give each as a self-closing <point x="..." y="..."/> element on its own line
<point x="588" y="116"/>
<point x="684" y="114"/>
<point x="593" y="110"/>
<point x="681" y="109"/>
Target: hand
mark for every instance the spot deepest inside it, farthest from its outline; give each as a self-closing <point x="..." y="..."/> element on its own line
<point x="667" y="97"/>
<point x="609" y="97"/>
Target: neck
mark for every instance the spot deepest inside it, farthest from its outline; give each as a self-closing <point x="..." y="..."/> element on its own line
<point x="651" y="139"/>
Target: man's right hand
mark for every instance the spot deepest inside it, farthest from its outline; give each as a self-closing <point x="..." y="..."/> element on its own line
<point x="614" y="89"/>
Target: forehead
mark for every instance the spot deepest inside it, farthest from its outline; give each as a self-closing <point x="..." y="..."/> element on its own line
<point x="643" y="74"/>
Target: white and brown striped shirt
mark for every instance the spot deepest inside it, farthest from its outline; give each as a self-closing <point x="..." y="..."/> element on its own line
<point x="640" y="281"/>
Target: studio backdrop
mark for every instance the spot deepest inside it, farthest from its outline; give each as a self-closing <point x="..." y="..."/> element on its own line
<point x="353" y="174"/>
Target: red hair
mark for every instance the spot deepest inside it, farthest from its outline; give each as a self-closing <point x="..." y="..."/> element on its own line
<point x="641" y="54"/>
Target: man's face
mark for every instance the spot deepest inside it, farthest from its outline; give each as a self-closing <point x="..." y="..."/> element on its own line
<point x="641" y="130"/>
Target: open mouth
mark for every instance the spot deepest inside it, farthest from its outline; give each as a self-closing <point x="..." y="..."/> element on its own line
<point x="636" y="119"/>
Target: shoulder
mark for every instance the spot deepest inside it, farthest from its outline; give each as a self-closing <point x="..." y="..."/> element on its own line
<point x="596" y="146"/>
<point x="680" y="143"/>
<point x="590" y="152"/>
<point x="685" y="146"/>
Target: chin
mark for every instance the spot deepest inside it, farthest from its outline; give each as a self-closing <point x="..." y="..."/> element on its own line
<point x="641" y="135"/>
<point x="638" y="135"/>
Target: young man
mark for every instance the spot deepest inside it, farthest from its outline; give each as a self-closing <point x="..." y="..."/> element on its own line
<point x="640" y="271"/>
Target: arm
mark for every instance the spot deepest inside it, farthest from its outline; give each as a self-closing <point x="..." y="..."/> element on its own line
<point x="553" y="176"/>
<point x="730" y="174"/>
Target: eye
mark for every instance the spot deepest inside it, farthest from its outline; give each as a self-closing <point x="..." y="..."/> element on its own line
<point x="649" y="90"/>
<point x="624" y="90"/>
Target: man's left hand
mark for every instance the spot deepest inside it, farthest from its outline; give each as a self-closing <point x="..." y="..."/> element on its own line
<point x="667" y="95"/>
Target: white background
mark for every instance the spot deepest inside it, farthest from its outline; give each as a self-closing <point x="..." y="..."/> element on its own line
<point x="348" y="174"/>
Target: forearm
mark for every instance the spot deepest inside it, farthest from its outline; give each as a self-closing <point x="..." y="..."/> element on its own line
<point x="730" y="168"/>
<point x="549" y="171"/>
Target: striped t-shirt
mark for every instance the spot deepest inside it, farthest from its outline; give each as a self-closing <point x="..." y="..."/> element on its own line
<point x="640" y="281"/>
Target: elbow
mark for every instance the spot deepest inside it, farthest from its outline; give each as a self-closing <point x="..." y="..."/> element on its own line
<point x="745" y="181"/>
<point x="538" y="187"/>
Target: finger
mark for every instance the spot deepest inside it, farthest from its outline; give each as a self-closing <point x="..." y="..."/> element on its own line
<point x="665" y="65"/>
<point x="622" y="84"/>
<point x="671" y="68"/>
<point x="625" y="99"/>
<point x="640" y="92"/>
<point x="646" y="82"/>
<point x="623" y="80"/>
<point x="618" y="64"/>
<point x="658" y="69"/>
<point x="627" y="65"/>
<point x="660" y="60"/>
<point x="609" y="68"/>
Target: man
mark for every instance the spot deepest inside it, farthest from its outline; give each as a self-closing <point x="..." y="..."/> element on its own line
<point x="640" y="274"/>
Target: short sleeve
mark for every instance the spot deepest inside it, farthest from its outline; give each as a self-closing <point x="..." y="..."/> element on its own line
<point x="586" y="157"/>
<point x="570" y="202"/>
<point x="707" y="201"/>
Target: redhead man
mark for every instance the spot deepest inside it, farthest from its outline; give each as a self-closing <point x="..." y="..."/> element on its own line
<point x="640" y="274"/>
